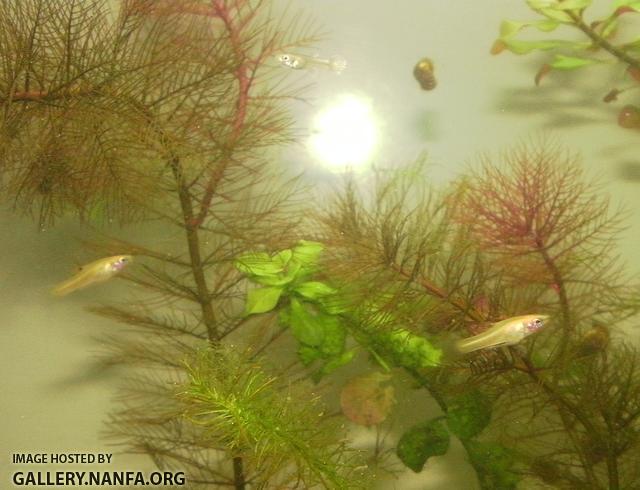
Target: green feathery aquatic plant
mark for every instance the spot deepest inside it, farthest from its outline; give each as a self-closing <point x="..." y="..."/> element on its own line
<point x="165" y="113"/>
<point x="284" y="435"/>
<point x="600" y="43"/>
<point x="530" y="233"/>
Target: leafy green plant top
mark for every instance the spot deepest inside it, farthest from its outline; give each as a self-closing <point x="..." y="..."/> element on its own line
<point x="600" y="37"/>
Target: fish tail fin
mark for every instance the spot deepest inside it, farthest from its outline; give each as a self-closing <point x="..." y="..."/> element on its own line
<point x="465" y="346"/>
<point x="70" y="285"/>
<point x="62" y="289"/>
<point x="337" y="64"/>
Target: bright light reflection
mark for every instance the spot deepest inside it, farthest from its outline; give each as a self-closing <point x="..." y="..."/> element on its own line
<point x="344" y="135"/>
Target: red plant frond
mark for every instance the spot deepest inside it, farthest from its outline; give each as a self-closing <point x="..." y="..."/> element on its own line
<point x="536" y="200"/>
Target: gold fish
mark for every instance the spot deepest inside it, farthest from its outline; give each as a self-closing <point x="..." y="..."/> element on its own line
<point x="423" y="73"/>
<point x="94" y="272"/>
<point x="301" y="62"/>
<point x="507" y="332"/>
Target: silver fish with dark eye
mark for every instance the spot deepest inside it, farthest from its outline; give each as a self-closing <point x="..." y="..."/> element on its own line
<point x="95" y="272"/>
<point x="507" y="332"/>
<point x="301" y="62"/>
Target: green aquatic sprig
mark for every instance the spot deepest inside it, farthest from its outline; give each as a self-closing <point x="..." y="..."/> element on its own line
<point x="278" y="431"/>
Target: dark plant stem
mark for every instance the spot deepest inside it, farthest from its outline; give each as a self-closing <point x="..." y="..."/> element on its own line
<point x="238" y="474"/>
<point x="601" y="42"/>
<point x="612" y="471"/>
<point x="563" y="299"/>
<point x="245" y="79"/>
<point x="193" y="244"/>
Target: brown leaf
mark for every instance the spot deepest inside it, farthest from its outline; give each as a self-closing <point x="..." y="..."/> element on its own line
<point x="629" y="117"/>
<point x="365" y="401"/>
<point x="634" y="73"/>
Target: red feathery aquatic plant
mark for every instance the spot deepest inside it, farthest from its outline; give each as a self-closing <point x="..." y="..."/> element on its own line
<point x="542" y="222"/>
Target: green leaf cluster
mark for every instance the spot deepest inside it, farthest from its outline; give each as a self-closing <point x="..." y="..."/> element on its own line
<point x="410" y="350"/>
<point x="494" y="464"/>
<point x="421" y="442"/>
<point x="287" y="271"/>
<point x="310" y="308"/>
<point x="570" y="55"/>
<point x="466" y="417"/>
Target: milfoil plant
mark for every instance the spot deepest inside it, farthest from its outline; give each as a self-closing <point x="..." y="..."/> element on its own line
<point x="404" y="272"/>
<point x="167" y="115"/>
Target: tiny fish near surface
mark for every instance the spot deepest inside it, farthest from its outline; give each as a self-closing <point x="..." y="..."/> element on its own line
<point x="506" y="332"/>
<point x="92" y="273"/>
<point x="301" y="62"/>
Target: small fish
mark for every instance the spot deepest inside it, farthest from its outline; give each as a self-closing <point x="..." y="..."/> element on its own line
<point x="423" y="73"/>
<point x="507" y="332"/>
<point x="300" y="62"/>
<point x="94" y="272"/>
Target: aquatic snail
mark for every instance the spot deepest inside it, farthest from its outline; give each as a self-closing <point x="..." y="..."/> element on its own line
<point x="423" y="72"/>
<point x="629" y="117"/>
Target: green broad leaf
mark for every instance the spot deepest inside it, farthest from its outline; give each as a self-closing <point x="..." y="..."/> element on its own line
<point x="337" y="362"/>
<point x="283" y="257"/>
<point x="421" y="442"/>
<point x="494" y="464"/>
<point x="335" y="334"/>
<point x="288" y="275"/>
<point x="261" y="300"/>
<point x="509" y="28"/>
<point x="307" y="328"/>
<point x="314" y="290"/>
<point x="558" y="4"/>
<point x="308" y="354"/>
<point x="468" y="415"/>
<point x="524" y="47"/>
<point x="412" y="350"/>
<point x="257" y="264"/>
<point x="307" y="252"/>
<point x="547" y="8"/>
<point x="277" y="280"/>
<point x="562" y="62"/>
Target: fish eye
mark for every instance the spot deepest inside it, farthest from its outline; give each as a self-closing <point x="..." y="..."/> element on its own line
<point x="538" y="321"/>
<point x="285" y="57"/>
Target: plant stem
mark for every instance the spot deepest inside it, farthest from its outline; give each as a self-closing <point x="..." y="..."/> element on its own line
<point x="601" y="42"/>
<point x="562" y="296"/>
<point x="238" y="474"/>
<point x="193" y="243"/>
<point x="245" y="79"/>
<point x="612" y="471"/>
